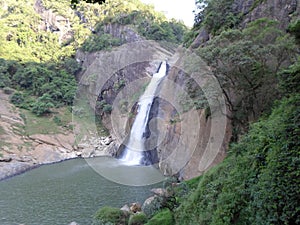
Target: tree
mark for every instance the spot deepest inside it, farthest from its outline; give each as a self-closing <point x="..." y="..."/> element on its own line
<point x="246" y="64"/>
<point x="216" y="15"/>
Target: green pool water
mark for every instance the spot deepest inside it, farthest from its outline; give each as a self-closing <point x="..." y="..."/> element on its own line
<point x="73" y="190"/>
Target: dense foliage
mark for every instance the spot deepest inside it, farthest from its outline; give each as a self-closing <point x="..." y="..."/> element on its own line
<point x="217" y="16"/>
<point x="110" y="215"/>
<point x="39" y="87"/>
<point x="258" y="183"/>
<point x="140" y="17"/>
<point x="39" y="40"/>
<point x="246" y="63"/>
<point x="75" y="2"/>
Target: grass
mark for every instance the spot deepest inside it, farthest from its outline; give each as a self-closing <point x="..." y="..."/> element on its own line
<point x="162" y="218"/>
<point x="84" y="119"/>
<point x="47" y="124"/>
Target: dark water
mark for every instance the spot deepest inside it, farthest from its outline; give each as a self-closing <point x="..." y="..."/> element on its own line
<point x="60" y="193"/>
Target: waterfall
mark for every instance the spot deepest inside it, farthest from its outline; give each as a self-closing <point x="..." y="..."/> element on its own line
<point x="133" y="153"/>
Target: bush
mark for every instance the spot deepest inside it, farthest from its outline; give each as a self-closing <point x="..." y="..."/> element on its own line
<point x="42" y="105"/>
<point x="102" y="42"/>
<point x="17" y="98"/>
<point x="107" y="108"/>
<point x="8" y="90"/>
<point x="138" y="219"/>
<point x="110" y="215"/>
<point x="162" y="218"/>
<point x="154" y="206"/>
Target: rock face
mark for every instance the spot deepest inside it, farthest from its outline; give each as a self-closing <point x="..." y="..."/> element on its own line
<point x="116" y="79"/>
<point x="173" y="131"/>
<point x="279" y="10"/>
<point x="125" y="33"/>
<point x="188" y="140"/>
<point x="19" y="152"/>
<point x="53" y="22"/>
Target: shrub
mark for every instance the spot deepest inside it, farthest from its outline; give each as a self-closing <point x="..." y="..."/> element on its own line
<point x="42" y="105"/>
<point x="110" y="215"/>
<point x="154" y="206"/>
<point x="162" y="218"/>
<point x="138" y="219"/>
<point x="8" y="90"/>
<point x="102" y="42"/>
<point x="17" y="98"/>
<point x="107" y="108"/>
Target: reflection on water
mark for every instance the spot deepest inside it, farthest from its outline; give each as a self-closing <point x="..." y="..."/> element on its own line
<point x="120" y="172"/>
<point x="60" y="193"/>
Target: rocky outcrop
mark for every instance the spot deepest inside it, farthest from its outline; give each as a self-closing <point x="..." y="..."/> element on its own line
<point x="19" y="152"/>
<point x="53" y="22"/>
<point x="283" y="11"/>
<point x="201" y="38"/>
<point x="124" y="32"/>
<point x="189" y="140"/>
<point x="277" y="10"/>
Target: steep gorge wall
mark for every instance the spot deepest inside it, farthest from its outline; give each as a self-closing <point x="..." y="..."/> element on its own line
<point x="283" y="11"/>
<point x="189" y="140"/>
<point x="116" y="79"/>
<point x="277" y="10"/>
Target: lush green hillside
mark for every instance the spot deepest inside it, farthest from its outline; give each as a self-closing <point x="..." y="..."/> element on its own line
<point x="258" y="182"/>
<point x="39" y="40"/>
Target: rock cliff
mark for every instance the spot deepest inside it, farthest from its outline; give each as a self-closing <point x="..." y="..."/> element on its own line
<point x="188" y="140"/>
<point x="284" y="11"/>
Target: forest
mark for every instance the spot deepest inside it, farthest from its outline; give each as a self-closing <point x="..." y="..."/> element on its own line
<point x="40" y="64"/>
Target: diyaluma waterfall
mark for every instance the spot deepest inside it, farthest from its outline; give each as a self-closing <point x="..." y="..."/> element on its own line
<point x="133" y="153"/>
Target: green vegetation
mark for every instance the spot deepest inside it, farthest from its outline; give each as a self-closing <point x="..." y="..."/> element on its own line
<point x="137" y="219"/>
<point x="162" y="218"/>
<point x="37" y="56"/>
<point x="97" y="43"/>
<point x="247" y="63"/>
<point x="110" y="215"/>
<point x="294" y="28"/>
<point x="46" y="125"/>
<point x="217" y="16"/>
<point x="140" y="17"/>
<point x="40" y="87"/>
<point x="258" y="182"/>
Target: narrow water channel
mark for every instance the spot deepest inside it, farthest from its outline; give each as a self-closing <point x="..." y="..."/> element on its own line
<point x="72" y="190"/>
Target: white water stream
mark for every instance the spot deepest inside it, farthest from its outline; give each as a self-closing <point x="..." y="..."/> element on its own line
<point x="133" y="152"/>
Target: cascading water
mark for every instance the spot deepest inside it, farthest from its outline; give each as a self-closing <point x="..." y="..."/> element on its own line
<point x="133" y="153"/>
